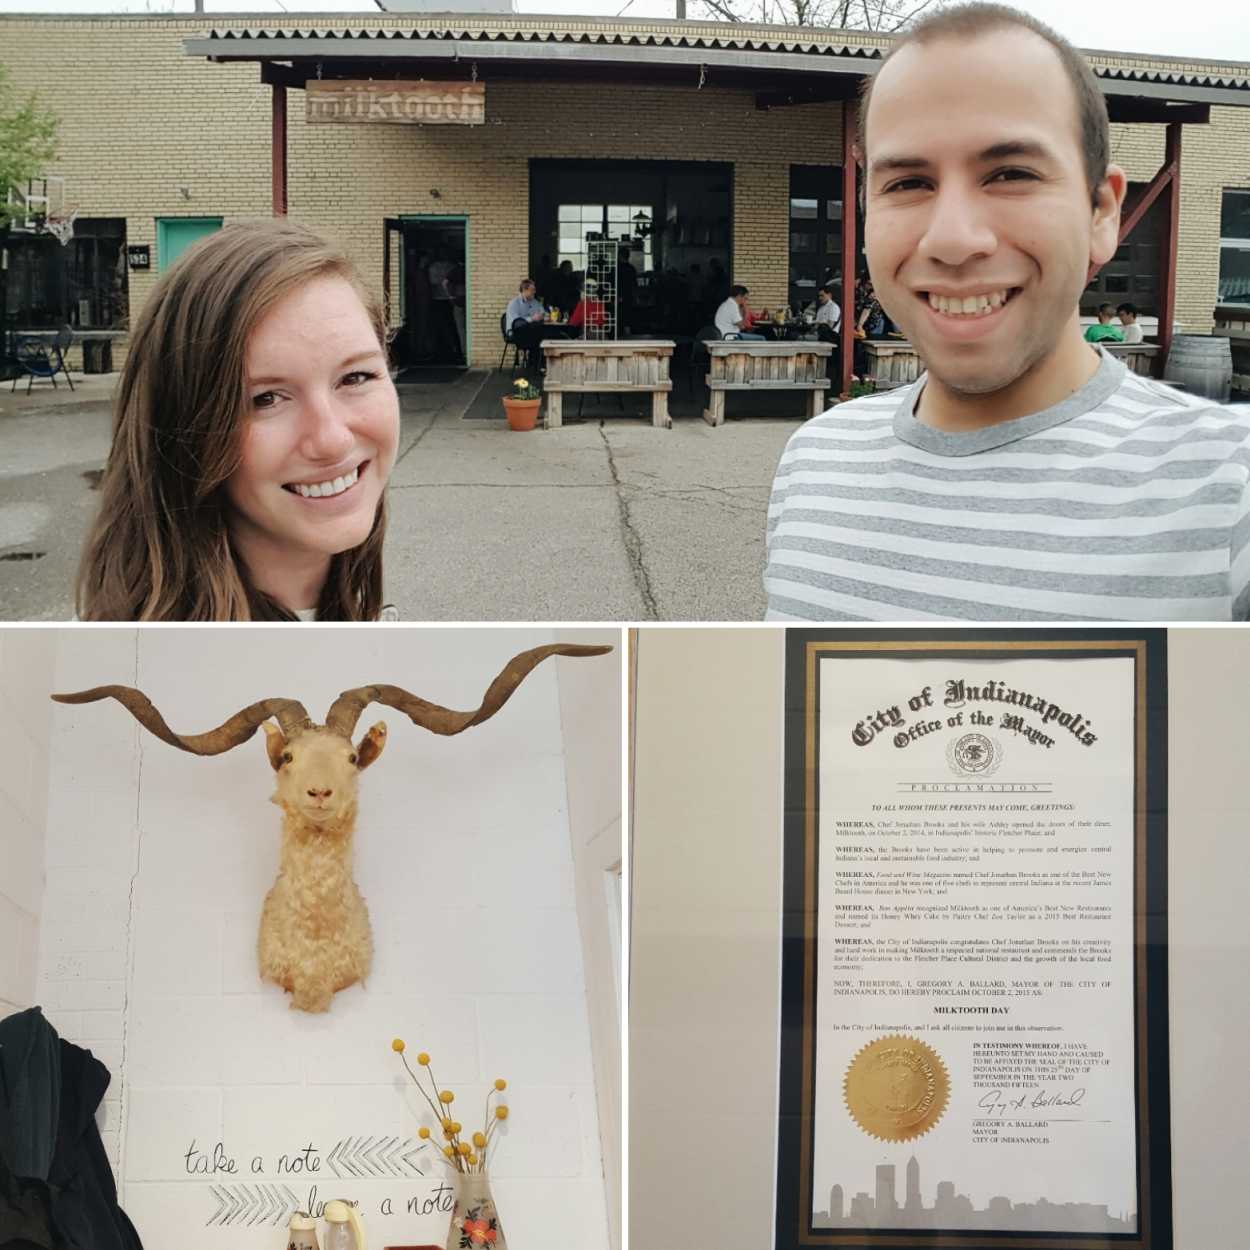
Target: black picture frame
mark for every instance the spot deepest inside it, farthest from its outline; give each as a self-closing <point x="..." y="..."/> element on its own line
<point x="806" y="649"/>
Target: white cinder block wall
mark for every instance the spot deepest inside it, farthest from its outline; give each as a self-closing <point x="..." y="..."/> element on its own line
<point x="158" y="863"/>
<point x="26" y="657"/>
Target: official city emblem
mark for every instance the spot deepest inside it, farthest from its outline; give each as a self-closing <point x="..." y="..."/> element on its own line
<point x="975" y="755"/>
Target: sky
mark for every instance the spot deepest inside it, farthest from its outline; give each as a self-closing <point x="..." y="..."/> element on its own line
<point x="1205" y="29"/>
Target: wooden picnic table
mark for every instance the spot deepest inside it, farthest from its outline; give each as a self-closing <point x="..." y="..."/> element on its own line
<point x="748" y="364"/>
<point x="586" y="366"/>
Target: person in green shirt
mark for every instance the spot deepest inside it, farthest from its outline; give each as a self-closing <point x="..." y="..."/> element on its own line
<point x="1104" y="329"/>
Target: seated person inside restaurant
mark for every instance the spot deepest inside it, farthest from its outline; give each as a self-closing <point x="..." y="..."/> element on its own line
<point x="524" y="318"/>
<point x="732" y="317"/>
<point x="589" y="310"/>
<point x="1103" y="330"/>
<point x="828" y="316"/>
<point x="1128" y="322"/>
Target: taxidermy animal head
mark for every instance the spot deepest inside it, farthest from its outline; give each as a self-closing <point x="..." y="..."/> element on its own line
<point x="315" y="937"/>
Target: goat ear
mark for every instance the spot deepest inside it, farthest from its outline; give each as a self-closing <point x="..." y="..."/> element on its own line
<point x="275" y="743"/>
<point x="371" y="746"/>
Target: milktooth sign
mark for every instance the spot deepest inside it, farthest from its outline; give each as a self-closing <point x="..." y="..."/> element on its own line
<point x="413" y="103"/>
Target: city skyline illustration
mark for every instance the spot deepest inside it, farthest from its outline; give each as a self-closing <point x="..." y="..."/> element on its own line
<point x="951" y="1209"/>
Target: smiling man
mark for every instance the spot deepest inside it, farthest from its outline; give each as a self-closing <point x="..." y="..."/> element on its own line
<point x="1027" y="475"/>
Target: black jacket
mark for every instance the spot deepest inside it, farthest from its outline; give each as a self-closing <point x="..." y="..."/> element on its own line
<point x="56" y="1186"/>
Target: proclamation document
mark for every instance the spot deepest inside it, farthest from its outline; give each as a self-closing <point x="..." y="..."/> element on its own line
<point x="976" y="971"/>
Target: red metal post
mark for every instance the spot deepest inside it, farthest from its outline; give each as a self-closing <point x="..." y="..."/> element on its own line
<point x="1168" y="246"/>
<point x="278" y="149"/>
<point x="850" y="242"/>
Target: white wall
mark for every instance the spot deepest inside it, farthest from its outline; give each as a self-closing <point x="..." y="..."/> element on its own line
<point x="158" y="862"/>
<point x="706" y="921"/>
<point x="590" y="714"/>
<point x="26" y="657"/>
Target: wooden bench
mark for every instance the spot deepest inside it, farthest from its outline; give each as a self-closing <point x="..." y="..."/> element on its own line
<point x="892" y="361"/>
<point x="584" y="366"/>
<point x="747" y="365"/>
<point x="1140" y="357"/>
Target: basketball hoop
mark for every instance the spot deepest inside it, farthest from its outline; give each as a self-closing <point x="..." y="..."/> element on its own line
<point x="60" y="228"/>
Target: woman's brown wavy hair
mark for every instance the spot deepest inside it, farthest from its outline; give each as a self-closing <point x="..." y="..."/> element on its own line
<point x="160" y="548"/>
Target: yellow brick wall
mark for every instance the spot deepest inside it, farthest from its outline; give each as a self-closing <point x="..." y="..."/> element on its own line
<point x="148" y="131"/>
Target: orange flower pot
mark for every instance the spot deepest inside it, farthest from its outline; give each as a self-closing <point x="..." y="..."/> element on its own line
<point x="522" y="414"/>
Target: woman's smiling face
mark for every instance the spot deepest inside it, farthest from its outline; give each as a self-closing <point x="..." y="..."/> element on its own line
<point x="321" y="425"/>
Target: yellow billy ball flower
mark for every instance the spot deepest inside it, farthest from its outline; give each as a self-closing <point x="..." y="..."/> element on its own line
<point x="479" y="1140"/>
<point x="447" y="1123"/>
<point x="447" y="1097"/>
<point x="501" y="1113"/>
<point x="473" y="1158"/>
<point x="398" y="1045"/>
<point x="423" y="1133"/>
<point x="501" y="1085"/>
<point x="464" y="1148"/>
<point x="447" y="1133"/>
<point x="449" y="1152"/>
<point x="455" y="1126"/>
<point x="423" y="1059"/>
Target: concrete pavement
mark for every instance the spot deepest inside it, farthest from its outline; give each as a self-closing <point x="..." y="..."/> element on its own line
<point x="606" y="519"/>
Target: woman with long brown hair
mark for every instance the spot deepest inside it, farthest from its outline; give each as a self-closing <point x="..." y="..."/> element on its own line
<point x="255" y="427"/>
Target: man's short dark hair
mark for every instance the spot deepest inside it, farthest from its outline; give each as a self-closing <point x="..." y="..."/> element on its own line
<point x="828" y="290"/>
<point x="526" y="282"/>
<point x="735" y="291"/>
<point x="968" y="21"/>
<point x="1131" y="309"/>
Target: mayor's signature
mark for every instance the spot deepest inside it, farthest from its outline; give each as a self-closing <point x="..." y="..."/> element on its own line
<point x="996" y="1103"/>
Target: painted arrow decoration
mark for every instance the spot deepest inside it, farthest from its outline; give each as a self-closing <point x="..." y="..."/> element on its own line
<point x="381" y="1158"/>
<point x="245" y="1205"/>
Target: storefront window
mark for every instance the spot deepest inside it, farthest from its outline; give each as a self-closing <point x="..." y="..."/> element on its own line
<point x="1234" y="285"/>
<point x="624" y="222"/>
<point x="815" y="231"/>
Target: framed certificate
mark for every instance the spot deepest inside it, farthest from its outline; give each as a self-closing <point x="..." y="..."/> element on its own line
<point x="974" y="1046"/>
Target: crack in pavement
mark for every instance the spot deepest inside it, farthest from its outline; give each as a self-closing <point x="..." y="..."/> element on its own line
<point x="505" y="485"/>
<point x="633" y="544"/>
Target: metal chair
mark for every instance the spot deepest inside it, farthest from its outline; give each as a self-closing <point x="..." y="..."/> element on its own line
<point x="508" y="341"/>
<point x="43" y="358"/>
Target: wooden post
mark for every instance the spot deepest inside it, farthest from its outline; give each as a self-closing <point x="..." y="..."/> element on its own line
<point x="555" y="409"/>
<point x="1168" y="246"/>
<point x="850" y="241"/>
<point x="278" y="149"/>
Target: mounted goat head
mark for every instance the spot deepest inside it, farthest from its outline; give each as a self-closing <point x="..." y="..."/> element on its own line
<point x="314" y="930"/>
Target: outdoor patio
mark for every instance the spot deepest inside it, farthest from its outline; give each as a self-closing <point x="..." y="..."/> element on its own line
<point x="606" y="518"/>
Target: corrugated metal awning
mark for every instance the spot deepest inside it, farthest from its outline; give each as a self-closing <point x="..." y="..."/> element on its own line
<point x="654" y="43"/>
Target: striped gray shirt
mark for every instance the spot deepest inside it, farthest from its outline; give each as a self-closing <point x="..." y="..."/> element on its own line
<point x="1128" y="500"/>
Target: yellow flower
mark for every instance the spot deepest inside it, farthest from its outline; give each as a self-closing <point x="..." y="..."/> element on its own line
<point x="501" y="1084"/>
<point x="455" y="1126"/>
<point x="520" y="382"/>
<point x="447" y="1123"/>
<point x="447" y="1133"/>
<point x="501" y="1113"/>
<point x="464" y="1147"/>
<point x="423" y="1133"/>
<point x="423" y="1059"/>
<point x="479" y="1140"/>
<point x="473" y="1158"/>
<point x="398" y="1045"/>
<point x="449" y="1152"/>
<point x="446" y="1097"/>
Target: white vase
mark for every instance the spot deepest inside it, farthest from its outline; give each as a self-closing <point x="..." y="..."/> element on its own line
<point x="474" y="1220"/>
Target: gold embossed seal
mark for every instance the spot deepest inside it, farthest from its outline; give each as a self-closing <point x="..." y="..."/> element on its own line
<point x="896" y="1088"/>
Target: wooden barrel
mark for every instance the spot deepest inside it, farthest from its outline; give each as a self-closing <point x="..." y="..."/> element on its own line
<point x="1203" y="364"/>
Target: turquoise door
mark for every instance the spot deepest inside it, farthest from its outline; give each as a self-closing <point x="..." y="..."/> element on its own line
<point x="175" y="234"/>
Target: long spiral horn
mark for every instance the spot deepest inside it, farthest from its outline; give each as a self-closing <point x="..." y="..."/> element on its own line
<point x="290" y="715"/>
<point x="347" y="708"/>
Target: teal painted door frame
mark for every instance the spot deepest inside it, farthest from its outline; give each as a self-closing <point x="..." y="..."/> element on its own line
<point x="176" y="234"/>
<point x="422" y="219"/>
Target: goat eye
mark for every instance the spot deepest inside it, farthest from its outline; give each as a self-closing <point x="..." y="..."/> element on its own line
<point x="351" y="759"/>
<point x="286" y="757"/>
